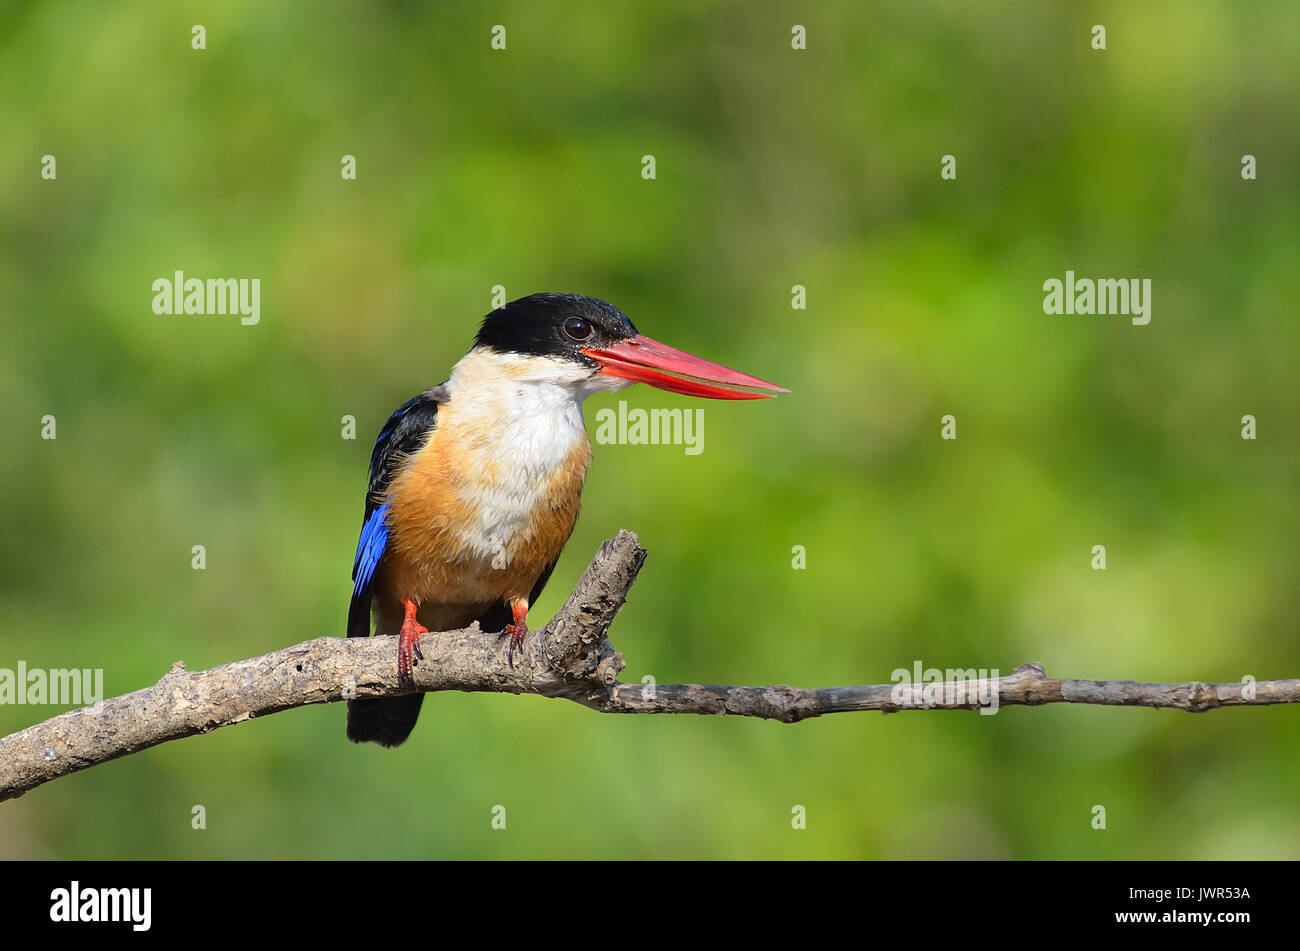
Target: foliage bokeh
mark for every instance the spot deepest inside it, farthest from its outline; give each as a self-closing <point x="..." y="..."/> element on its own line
<point x="775" y="167"/>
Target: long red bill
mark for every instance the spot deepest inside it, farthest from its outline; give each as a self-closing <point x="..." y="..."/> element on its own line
<point x="662" y="366"/>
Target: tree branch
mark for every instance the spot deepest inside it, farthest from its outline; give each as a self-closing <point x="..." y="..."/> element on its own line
<point x="571" y="658"/>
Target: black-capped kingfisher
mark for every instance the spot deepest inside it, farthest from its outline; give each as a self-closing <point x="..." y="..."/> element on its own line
<point x="475" y="484"/>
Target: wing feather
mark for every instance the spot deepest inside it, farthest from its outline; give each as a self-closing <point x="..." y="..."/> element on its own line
<point x="406" y="431"/>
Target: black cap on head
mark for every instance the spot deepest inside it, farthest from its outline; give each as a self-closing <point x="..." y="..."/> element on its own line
<point x="554" y="325"/>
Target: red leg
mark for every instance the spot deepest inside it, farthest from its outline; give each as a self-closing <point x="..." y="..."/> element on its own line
<point x="517" y="630"/>
<point x="408" y="643"/>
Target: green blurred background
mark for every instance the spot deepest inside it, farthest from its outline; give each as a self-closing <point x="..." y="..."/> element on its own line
<point x="775" y="167"/>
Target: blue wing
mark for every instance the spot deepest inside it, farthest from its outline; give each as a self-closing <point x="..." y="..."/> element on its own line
<point x="370" y="548"/>
<point x="406" y="431"/>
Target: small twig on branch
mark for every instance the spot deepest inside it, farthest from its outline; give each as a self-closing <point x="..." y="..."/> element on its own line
<point x="571" y="658"/>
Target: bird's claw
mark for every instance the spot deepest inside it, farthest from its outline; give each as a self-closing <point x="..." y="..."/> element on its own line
<point x="516" y="632"/>
<point x="408" y="652"/>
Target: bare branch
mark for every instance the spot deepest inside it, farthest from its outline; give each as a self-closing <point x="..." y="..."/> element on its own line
<point x="1027" y="686"/>
<point x="571" y="658"/>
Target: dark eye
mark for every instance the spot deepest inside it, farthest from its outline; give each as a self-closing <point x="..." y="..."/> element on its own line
<point x="577" y="328"/>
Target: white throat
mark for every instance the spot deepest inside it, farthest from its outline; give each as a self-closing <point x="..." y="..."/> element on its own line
<point x="531" y="406"/>
<point x="518" y="420"/>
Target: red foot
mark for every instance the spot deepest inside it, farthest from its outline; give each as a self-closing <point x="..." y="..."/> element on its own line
<point x="518" y="629"/>
<point x="408" y="644"/>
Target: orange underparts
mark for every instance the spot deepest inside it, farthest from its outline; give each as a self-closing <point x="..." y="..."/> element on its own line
<point x="408" y="643"/>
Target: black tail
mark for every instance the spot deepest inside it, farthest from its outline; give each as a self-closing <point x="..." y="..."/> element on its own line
<point x="388" y="721"/>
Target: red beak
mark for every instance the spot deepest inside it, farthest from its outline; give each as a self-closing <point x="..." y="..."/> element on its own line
<point x="648" y="361"/>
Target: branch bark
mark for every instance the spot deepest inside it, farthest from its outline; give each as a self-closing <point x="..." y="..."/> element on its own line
<point x="571" y="658"/>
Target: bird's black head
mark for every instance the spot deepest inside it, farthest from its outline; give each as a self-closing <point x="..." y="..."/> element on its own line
<point x="555" y="325"/>
<point x="597" y="348"/>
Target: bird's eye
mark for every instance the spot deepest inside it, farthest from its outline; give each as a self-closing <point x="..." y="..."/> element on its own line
<point x="577" y="328"/>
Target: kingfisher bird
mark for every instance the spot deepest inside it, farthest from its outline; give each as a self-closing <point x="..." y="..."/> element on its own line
<point x="475" y="484"/>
